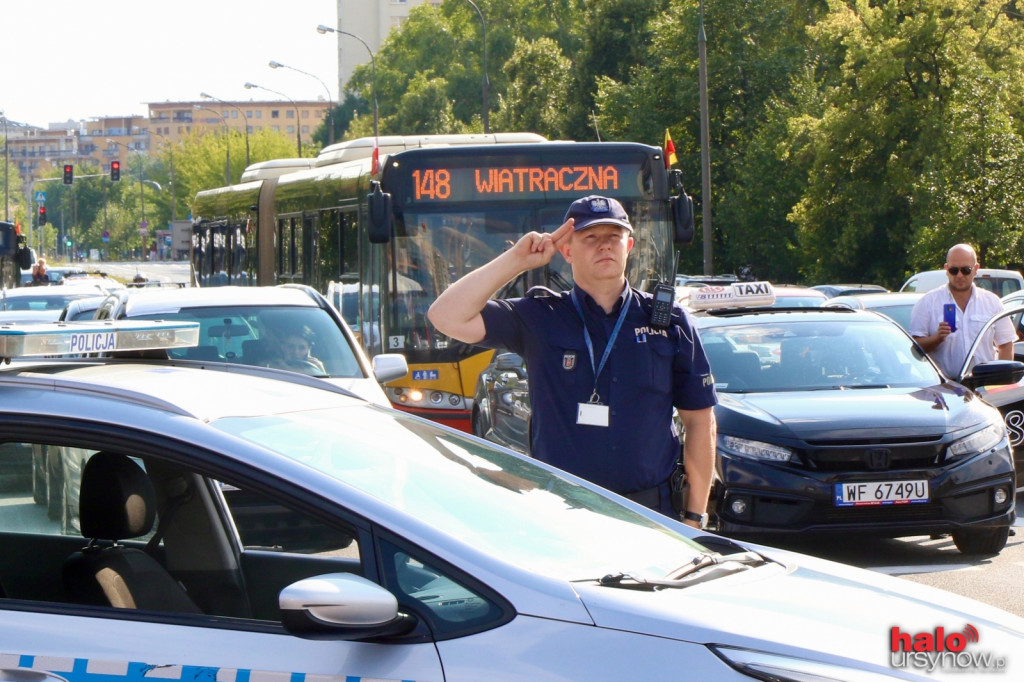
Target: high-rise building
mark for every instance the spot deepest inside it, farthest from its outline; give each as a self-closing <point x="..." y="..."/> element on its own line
<point x="371" y="21"/>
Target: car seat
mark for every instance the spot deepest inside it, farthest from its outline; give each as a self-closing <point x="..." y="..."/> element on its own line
<point x="117" y="502"/>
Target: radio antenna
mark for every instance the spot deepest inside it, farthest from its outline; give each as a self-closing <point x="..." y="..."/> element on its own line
<point x="596" y="131"/>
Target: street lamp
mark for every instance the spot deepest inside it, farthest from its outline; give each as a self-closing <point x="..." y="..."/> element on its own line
<point x="227" y="141"/>
<point x="322" y="29"/>
<point x="298" y="125"/>
<point x="486" y="85"/>
<point x="244" y="118"/>
<point x="7" y="163"/>
<point x="330" y="101"/>
<point x="170" y="151"/>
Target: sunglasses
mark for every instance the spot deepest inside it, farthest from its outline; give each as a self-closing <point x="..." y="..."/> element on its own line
<point x="965" y="270"/>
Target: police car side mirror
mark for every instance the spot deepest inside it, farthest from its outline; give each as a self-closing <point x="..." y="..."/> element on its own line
<point x="342" y="606"/>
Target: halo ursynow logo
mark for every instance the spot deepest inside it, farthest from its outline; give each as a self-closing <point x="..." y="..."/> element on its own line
<point x="939" y="650"/>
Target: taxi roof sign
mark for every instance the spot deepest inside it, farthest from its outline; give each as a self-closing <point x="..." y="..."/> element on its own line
<point x="94" y="336"/>
<point x="735" y="295"/>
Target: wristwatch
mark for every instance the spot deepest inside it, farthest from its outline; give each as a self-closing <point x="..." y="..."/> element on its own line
<point x="701" y="519"/>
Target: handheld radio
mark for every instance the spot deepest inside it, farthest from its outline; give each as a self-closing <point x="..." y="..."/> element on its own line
<point x="661" y="311"/>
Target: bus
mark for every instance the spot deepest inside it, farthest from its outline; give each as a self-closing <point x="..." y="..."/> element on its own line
<point x="383" y="238"/>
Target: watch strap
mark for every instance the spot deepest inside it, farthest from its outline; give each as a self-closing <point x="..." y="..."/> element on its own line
<point x="694" y="516"/>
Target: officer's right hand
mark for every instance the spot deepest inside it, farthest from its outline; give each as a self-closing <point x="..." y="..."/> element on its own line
<point x="536" y="249"/>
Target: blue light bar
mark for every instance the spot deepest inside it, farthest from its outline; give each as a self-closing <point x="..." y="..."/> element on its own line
<point x="94" y="336"/>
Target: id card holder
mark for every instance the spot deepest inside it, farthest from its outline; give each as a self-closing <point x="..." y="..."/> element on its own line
<point x="592" y="414"/>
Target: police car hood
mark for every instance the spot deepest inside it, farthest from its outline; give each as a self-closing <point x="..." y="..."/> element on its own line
<point x="780" y="607"/>
<point x="837" y="413"/>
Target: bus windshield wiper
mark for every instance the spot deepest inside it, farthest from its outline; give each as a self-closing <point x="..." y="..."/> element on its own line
<point x="676" y="579"/>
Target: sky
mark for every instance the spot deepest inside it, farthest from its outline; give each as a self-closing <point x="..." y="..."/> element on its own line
<point x="67" y="59"/>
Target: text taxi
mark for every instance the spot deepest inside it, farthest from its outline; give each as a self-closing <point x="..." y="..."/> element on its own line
<point x="425" y="553"/>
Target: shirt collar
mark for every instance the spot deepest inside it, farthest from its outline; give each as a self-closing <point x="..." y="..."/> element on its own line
<point x="591" y="306"/>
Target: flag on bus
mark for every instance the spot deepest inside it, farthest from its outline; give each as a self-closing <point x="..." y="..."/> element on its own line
<point x="375" y="159"/>
<point x="670" y="150"/>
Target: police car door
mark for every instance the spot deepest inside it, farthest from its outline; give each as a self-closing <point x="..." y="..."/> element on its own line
<point x="217" y="619"/>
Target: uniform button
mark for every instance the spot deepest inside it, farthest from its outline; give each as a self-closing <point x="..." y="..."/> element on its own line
<point x="614" y="379"/>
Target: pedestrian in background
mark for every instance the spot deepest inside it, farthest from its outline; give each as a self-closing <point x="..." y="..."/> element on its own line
<point x="947" y="320"/>
<point x="603" y="379"/>
<point x="39" y="275"/>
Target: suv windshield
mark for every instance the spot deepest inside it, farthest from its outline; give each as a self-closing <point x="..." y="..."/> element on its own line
<point x="304" y="339"/>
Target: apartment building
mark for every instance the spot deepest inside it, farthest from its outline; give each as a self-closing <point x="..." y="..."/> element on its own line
<point x="98" y="141"/>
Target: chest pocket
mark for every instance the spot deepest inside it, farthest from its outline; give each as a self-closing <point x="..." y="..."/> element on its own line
<point x="658" y="361"/>
<point x="570" y="361"/>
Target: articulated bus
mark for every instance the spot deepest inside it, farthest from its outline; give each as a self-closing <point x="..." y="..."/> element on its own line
<point x="382" y="245"/>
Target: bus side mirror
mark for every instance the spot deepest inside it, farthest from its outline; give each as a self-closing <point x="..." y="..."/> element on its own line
<point x="682" y="218"/>
<point x="379" y="208"/>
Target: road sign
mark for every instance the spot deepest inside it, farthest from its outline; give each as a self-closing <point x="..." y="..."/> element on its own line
<point x="40" y="197"/>
<point x="144" y="224"/>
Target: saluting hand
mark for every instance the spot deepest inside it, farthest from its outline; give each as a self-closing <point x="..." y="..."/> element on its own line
<point x="536" y="249"/>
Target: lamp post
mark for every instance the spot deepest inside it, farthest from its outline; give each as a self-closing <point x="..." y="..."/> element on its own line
<point x="322" y="29"/>
<point x="298" y="126"/>
<point x="705" y="148"/>
<point x="227" y="141"/>
<point x="486" y="85"/>
<point x="7" y="164"/>
<point x="170" y="151"/>
<point x="330" y="101"/>
<point x="244" y="118"/>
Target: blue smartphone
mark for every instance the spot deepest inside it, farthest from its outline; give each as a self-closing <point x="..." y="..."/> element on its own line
<point x="949" y="315"/>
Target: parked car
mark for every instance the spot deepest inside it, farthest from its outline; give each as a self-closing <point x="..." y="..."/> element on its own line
<point x="896" y="305"/>
<point x="237" y="325"/>
<point x="833" y="290"/>
<point x="53" y="298"/>
<point x="793" y="296"/>
<point x="439" y="557"/>
<point x="999" y="282"/>
<point x="833" y="420"/>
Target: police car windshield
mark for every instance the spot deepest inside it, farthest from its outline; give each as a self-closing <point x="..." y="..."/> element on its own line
<point x="762" y="355"/>
<point x="498" y="503"/>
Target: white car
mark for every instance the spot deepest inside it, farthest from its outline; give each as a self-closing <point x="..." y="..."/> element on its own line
<point x="240" y="523"/>
<point x="999" y="282"/>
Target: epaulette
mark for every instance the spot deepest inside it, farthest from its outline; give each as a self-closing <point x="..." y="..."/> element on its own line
<point x="541" y="292"/>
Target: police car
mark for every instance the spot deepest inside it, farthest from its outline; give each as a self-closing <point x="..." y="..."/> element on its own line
<point x="833" y="420"/>
<point x="412" y="552"/>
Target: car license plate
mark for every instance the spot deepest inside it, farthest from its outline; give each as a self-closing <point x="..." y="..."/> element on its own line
<point x="880" y="492"/>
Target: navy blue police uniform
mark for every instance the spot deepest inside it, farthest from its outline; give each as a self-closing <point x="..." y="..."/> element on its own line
<point x="649" y="371"/>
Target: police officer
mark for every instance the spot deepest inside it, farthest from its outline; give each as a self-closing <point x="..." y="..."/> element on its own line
<point x="603" y="378"/>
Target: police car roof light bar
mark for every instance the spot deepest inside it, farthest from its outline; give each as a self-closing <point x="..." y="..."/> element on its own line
<point x="92" y="336"/>
<point x="736" y="295"/>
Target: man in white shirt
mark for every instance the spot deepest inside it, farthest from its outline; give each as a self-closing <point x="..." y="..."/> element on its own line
<point x="973" y="307"/>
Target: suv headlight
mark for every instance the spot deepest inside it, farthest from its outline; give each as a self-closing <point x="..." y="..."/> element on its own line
<point x="977" y="442"/>
<point x="754" y="449"/>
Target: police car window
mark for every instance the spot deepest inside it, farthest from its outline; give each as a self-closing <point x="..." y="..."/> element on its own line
<point x="229" y="552"/>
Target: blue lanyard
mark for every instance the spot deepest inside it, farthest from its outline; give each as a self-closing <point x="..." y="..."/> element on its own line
<point x="594" y="397"/>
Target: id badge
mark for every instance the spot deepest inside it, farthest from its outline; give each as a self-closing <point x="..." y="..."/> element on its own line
<point x="592" y="414"/>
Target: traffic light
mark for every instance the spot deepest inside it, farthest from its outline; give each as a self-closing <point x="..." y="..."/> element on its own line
<point x="42" y="215"/>
<point x="68" y="242"/>
<point x="69" y="174"/>
<point x="115" y="171"/>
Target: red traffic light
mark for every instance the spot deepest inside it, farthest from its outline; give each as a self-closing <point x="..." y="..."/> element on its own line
<point x="69" y="173"/>
<point x="42" y="215"/>
<point x="115" y="170"/>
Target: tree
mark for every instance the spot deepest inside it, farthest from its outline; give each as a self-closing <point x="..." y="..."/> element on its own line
<point x="533" y="101"/>
<point x="912" y="139"/>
